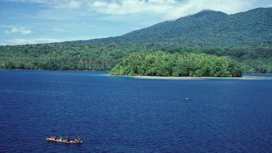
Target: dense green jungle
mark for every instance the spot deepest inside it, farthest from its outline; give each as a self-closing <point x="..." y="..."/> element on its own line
<point x="177" y="65"/>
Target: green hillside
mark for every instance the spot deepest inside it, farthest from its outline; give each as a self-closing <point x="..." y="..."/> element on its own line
<point x="206" y="28"/>
<point x="245" y="37"/>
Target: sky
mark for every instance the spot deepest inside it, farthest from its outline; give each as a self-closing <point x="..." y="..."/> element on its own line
<point x="45" y="21"/>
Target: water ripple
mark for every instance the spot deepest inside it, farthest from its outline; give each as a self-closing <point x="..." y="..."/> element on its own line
<point x="118" y="114"/>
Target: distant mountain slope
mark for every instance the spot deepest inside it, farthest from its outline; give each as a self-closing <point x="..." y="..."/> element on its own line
<point x="180" y="29"/>
<point x="245" y="37"/>
<point x="206" y="28"/>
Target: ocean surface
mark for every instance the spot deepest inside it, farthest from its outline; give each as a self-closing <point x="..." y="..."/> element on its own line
<point x="123" y="114"/>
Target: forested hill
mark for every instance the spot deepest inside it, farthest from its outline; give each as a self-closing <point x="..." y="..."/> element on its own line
<point x="245" y="37"/>
<point x="206" y="28"/>
<point x="178" y="65"/>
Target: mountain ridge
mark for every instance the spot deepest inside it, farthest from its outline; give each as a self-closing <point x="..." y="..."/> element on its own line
<point x="245" y="37"/>
<point x="205" y="28"/>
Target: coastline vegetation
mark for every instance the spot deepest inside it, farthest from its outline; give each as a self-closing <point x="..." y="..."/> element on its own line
<point x="177" y="65"/>
<point x="60" y="56"/>
<point x="209" y="32"/>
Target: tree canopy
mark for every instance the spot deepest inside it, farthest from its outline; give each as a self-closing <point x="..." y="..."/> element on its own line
<point x="245" y="37"/>
<point x="206" y="28"/>
<point x="61" y="56"/>
<point x="177" y="64"/>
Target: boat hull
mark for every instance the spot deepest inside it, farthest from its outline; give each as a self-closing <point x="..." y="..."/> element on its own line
<point x="63" y="141"/>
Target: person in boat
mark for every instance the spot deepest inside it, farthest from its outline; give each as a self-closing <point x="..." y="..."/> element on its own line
<point x="78" y="139"/>
<point x="67" y="139"/>
<point x="54" y="137"/>
<point x="61" y="139"/>
<point x="75" y="140"/>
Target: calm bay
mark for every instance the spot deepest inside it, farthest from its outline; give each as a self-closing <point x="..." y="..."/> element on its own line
<point x="124" y="114"/>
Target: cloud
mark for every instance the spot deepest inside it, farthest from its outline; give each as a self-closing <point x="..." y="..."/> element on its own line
<point x="164" y="9"/>
<point x="39" y="40"/>
<point x="17" y="30"/>
<point x="70" y="4"/>
<point x="194" y="6"/>
<point x="124" y="7"/>
<point x="63" y="17"/>
<point x="168" y="9"/>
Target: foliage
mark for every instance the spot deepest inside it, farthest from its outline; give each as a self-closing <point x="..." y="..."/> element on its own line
<point x="105" y="57"/>
<point x="177" y="64"/>
<point x="62" y="56"/>
<point x="245" y="37"/>
<point x="206" y="28"/>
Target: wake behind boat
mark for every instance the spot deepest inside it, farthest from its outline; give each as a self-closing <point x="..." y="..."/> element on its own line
<point x="52" y="139"/>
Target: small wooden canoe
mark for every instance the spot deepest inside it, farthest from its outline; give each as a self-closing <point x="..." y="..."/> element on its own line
<point x="63" y="141"/>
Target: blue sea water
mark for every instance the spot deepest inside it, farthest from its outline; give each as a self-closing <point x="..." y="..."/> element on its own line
<point x="123" y="114"/>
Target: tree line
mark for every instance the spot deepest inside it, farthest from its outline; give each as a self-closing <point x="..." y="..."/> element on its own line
<point x="178" y="65"/>
<point x="103" y="57"/>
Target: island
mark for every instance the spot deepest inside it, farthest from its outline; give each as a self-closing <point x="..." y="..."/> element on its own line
<point x="179" y="64"/>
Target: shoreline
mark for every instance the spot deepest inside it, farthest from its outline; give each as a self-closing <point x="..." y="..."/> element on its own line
<point x="250" y="76"/>
<point x="203" y="78"/>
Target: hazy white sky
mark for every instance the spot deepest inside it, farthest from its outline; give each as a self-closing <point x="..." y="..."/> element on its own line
<point x="43" y="21"/>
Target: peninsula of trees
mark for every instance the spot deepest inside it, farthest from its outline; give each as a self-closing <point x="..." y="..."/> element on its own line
<point x="177" y="65"/>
